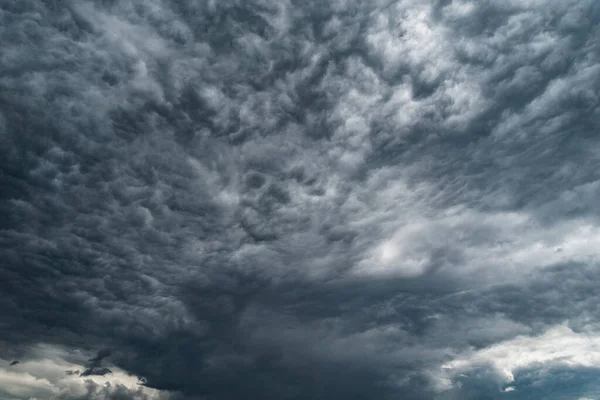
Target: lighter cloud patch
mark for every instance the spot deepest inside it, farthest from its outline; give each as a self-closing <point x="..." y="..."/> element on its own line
<point x="415" y="40"/>
<point x="466" y="102"/>
<point x="460" y="9"/>
<point x="44" y="375"/>
<point x="559" y="346"/>
<point x="397" y="255"/>
<point x="466" y="243"/>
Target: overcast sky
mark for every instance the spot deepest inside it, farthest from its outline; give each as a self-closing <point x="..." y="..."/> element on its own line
<point x="299" y="199"/>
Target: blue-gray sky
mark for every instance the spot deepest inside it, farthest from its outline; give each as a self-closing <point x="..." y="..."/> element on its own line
<point x="281" y="199"/>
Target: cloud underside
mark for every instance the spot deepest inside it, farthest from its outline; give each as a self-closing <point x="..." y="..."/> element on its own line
<point x="299" y="200"/>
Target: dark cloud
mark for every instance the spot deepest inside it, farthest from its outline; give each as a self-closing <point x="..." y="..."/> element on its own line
<point x="95" y="367"/>
<point x="96" y="371"/>
<point x="294" y="200"/>
<point x="72" y="372"/>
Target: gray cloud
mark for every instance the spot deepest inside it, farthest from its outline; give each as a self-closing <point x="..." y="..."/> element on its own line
<point x="95" y="366"/>
<point x="288" y="200"/>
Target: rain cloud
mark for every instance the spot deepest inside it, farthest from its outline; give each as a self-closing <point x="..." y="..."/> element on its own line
<point x="299" y="200"/>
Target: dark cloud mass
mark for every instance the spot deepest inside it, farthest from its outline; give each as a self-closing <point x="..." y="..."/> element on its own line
<point x="95" y="367"/>
<point x="300" y="200"/>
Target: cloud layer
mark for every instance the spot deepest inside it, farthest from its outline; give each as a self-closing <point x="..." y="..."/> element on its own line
<point x="297" y="200"/>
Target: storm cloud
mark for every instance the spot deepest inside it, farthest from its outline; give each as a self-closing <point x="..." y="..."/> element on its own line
<point x="281" y="199"/>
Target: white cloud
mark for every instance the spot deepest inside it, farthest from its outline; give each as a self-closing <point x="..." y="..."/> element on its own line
<point x="558" y="346"/>
<point x="43" y="374"/>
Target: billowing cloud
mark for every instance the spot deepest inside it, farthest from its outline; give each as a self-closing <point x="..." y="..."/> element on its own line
<point x="299" y="200"/>
<point x="47" y="373"/>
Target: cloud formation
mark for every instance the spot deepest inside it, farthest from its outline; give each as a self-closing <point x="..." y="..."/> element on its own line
<point x="95" y="366"/>
<point x="49" y="372"/>
<point x="296" y="200"/>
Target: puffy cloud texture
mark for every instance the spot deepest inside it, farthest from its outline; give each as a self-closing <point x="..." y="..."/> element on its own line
<point x="299" y="199"/>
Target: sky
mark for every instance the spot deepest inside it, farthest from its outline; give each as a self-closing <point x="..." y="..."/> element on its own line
<point x="293" y="200"/>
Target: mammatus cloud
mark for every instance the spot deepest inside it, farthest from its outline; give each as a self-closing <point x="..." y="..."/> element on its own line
<point x="296" y="200"/>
